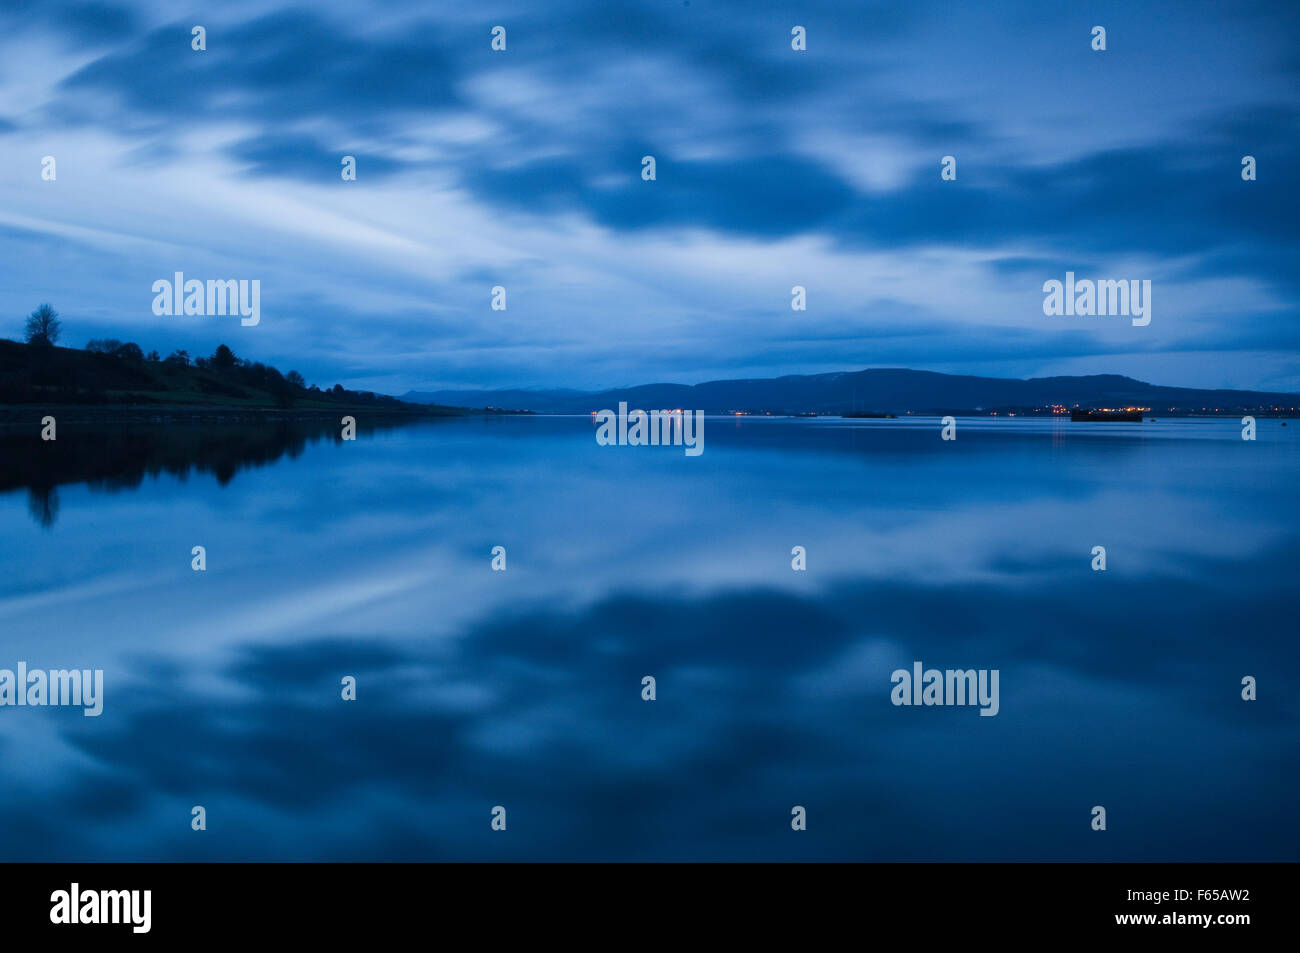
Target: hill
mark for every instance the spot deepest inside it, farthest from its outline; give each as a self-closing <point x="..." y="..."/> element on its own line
<point x="895" y="391"/>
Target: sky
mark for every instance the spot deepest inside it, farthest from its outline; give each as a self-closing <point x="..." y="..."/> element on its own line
<point x="775" y="167"/>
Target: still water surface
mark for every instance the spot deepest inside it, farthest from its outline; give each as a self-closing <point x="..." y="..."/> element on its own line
<point x="523" y="688"/>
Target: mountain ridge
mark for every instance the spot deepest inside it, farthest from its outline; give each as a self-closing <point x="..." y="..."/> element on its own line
<point x="880" y="390"/>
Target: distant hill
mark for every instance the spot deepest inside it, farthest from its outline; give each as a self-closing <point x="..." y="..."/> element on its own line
<point x="42" y="374"/>
<point x="894" y="391"/>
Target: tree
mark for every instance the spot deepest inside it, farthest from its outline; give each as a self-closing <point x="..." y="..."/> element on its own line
<point x="279" y="387"/>
<point x="223" y="358"/>
<point x="296" y="379"/>
<point x="178" y="358"/>
<point x="43" y="326"/>
<point x="124" y="349"/>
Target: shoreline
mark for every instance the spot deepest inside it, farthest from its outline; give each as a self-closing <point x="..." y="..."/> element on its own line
<point x="25" y="414"/>
<point x="164" y="414"/>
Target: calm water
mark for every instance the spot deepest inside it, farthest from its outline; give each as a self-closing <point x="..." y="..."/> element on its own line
<point x="522" y="688"/>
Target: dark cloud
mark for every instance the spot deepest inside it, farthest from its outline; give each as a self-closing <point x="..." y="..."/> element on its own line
<point x="765" y="195"/>
<point x="1170" y="198"/>
<point x="81" y="22"/>
<point x="287" y="65"/>
<point x="307" y="159"/>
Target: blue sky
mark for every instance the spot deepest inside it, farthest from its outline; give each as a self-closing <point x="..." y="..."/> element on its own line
<point x="775" y="168"/>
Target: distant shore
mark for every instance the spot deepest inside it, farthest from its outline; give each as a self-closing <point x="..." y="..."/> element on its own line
<point x="208" y="413"/>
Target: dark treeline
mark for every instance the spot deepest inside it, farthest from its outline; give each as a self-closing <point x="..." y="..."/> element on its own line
<point x="223" y="363"/>
<point x="109" y="371"/>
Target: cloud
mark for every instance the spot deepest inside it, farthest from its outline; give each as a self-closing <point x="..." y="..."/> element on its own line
<point x="79" y="22"/>
<point x="304" y="158"/>
<point x="766" y="195"/>
<point x="775" y="168"/>
<point x="287" y="65"/>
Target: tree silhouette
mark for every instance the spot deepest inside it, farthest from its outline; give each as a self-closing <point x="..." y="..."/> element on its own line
<point x="43" y="326"/>
<point x="224" y="358"/>
<point x="43" y="504"/>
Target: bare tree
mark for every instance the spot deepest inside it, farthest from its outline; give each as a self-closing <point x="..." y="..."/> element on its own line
<point x="43" y="326"/>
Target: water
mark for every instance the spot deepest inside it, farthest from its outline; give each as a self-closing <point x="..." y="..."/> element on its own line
<point x="523" y="688"/>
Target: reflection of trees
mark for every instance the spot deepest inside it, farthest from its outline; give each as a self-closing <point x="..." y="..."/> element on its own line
<point x="115" y="458"/>
<point x="43" y="504"/>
